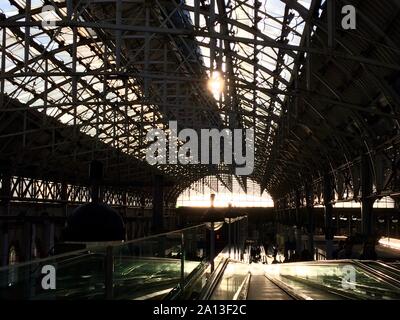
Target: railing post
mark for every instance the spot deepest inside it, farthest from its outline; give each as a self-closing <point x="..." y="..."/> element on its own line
<point x="109" y="272"/>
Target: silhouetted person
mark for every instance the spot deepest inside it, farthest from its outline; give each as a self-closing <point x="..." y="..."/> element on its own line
<point x="287" y="249"/>
<point x="369" y="252"/>
<point x="347" y="251"/>
<point x="275" y="255"/>
<point x="339" y="248"/>
<point x="294" y="257"/>
<point x="306" y="255"/>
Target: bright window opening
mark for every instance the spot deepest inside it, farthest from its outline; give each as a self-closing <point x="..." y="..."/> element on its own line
<point x="227" y="191"/>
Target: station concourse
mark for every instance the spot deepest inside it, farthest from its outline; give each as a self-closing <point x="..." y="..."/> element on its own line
<point x="199" y="150"/>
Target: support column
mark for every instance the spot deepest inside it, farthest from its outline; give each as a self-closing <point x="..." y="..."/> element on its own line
<point x="4" y="245"/>
<point x="240" y="238"/>
<point x="5" y="191"/>
<point x="96" y="177"/>
<point x="235" y="232"/>
<point x="64" y="197"/>
<point x="349" y="225"/>
<point x="367" y="201"/>
<point x="212" y="246"/>
<point x="298" y="232"/>
<point x="49" y="234"/>
<point x="27" y="241"/>
<point x="33" y="241"/>
<point x="310" y="219"/>
<point x="331" y="23"/>
<point x="229" y="236"/>
<point x="328" y="197"/>
<point x="109" y="273"/>
<point x="5" y="196"/>
<point x="128" y="230"/>
<point x="183" y="254"/>
<point x="158" y="205"/>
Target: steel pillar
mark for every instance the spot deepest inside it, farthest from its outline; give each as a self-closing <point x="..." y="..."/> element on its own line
<point x="49" y="234"/>
<point x="109" y="273"/>
<point x="298" y="225"/>
<point x="367" y="201"/>
<point x="183" y="253"/>
<point x="158" y="205"/>
<point x="236" y="238"/>
<point x="212" y="246"/>
<point x="5" y="190"/>
<point x="328" y="197"/>
<point x="64" y="197"/>
<point x="4" y="245"/>
<point x="5" y="196"/>
<point x="27" y="240"/>
<point x="229" y="236"/>
<point x="96" y="177"/>
<point x="331" y="6"/>
<point x="310" y="218"/>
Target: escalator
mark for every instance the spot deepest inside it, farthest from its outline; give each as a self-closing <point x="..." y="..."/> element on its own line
<point x="262" y="288"/>
<point x="167" y="268"/>
<point x="343" y="279"/>
<point x="322" y="280"/>
<point x="240" y="281"/>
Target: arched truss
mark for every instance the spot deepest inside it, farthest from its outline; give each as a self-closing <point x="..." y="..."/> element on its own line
<point x="92" y="85"/>
<point x="344" y="109"/>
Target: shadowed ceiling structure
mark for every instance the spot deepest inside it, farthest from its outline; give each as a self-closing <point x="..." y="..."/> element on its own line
<point x="86" y="80"/>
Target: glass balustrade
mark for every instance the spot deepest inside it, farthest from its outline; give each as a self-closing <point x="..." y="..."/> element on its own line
<point x="139" y="269"/>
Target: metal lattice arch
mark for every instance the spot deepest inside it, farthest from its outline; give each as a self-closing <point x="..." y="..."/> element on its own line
<point x="322" y="100"/>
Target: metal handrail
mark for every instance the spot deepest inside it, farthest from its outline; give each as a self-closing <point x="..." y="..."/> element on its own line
<point x="113" y="244"/>
<point x="311" y="284"/>
<point x="285" y="288"/>
<point x="382" y="277"/>
<point x="389" y="267"/>
<point x="178" y="291"/>
<point x="242" y="292"/>
<point x="386" y="278"/>
<point x="214" y="280"/>
<point x="379" y="274"/>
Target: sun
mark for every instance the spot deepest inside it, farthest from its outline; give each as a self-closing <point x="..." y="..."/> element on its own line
<point x="216" y="84"/>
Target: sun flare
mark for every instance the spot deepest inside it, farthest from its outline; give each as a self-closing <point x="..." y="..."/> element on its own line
<point x="216" y="84"/>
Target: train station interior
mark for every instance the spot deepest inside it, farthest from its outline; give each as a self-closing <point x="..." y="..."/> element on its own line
<point x="199" y="150"/>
